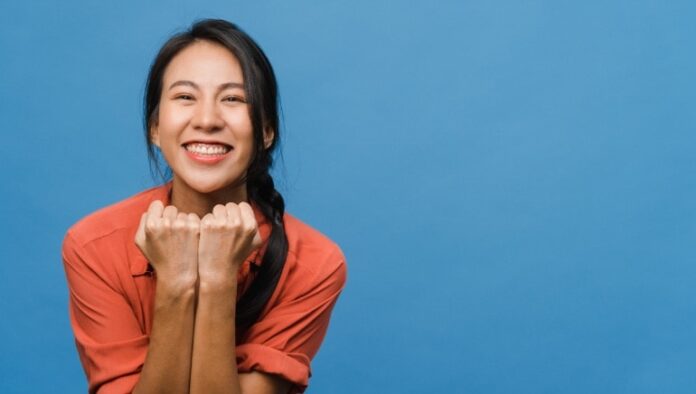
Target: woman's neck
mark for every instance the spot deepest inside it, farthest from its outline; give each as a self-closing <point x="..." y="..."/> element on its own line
<point x="188" y="200"/>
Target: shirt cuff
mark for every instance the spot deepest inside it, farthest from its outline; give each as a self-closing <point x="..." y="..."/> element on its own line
<point x="124" y="384"/>
<point x="293" y="367"/>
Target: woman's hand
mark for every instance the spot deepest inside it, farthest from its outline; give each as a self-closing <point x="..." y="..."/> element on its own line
<point x="169" y="240"/>
<point x="228" y="235"/>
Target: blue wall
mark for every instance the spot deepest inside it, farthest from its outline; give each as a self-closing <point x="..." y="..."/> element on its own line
<point x="513" y="183"/>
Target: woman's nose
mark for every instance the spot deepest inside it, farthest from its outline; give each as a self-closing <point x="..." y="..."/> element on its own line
<point x="207" y="116"/>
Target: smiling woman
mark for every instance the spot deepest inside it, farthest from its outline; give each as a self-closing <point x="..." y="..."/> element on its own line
<point x="205" y="91"/>
<point x="204" y="283"/>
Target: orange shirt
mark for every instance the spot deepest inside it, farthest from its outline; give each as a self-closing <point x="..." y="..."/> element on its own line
<point x="112" y="297"/>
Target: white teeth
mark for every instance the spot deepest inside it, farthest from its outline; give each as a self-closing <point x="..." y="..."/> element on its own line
<point x="207" y="149"/>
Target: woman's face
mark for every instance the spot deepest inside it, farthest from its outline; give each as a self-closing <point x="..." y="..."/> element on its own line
<point x="204" y="129"/>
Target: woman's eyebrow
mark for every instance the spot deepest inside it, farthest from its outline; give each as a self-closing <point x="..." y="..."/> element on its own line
<point x="184" y="83"/>
<point x="231" y="85"/>
<point x="226" y="85"/>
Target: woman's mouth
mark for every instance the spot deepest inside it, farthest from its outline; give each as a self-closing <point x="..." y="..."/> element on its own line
<point x="205" y="153"/>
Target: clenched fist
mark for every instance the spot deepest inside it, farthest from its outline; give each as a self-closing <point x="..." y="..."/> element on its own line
<point x="169" y="240"/>
<point x="227" y="236"/>
<point x="184" y="249"/>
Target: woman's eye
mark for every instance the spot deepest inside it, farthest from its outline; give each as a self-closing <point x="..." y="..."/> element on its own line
<point x="184" y="97"/>
<point x="234" y="99"/>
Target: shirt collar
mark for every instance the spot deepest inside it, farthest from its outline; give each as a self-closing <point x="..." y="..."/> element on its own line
<point x="139" y="264"/>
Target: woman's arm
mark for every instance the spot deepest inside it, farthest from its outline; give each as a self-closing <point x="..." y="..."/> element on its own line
<point x="214" y="368"/>
<point x="227" y="237"/>
<point x="168" y="363"/>
<point x="170" y="241"/>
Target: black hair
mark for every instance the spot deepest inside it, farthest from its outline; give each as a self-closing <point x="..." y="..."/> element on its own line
<point x="261" y="93"/>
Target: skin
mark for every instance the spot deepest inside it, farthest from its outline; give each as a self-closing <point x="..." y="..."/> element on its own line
<point x="197" y="244"/>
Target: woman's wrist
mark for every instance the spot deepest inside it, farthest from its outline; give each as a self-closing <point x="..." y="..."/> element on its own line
<point x="217" y="282"/>
<point x="176" y="284"/>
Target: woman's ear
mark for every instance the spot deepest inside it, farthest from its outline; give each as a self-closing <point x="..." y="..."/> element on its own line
<point x="154" y="136"/>
<point x="268" y="136"/>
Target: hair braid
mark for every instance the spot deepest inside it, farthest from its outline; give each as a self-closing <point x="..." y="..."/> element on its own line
<point x="262" y="191"/>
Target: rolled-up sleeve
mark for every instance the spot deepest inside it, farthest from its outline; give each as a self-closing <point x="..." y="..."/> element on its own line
<point x="110" y="342"/>
<point x="286" y="338"/>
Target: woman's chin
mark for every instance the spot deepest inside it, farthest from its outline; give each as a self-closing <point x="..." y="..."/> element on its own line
<point x="207" y="187"/>
<point x="204" y="186"/>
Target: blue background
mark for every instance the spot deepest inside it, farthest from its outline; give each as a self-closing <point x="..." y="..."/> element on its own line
<point x="512" y="182"/>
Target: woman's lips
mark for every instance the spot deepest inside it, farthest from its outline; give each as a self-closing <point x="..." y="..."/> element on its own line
<point x="206" y="159"/>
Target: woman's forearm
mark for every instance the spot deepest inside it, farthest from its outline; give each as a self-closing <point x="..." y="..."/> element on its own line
<point x="168" y="362"/>
<point x="214" y="367"/>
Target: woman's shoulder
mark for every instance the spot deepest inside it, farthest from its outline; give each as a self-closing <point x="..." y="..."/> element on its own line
<point x="312" y="251"/>
<point x="121" y="215"/>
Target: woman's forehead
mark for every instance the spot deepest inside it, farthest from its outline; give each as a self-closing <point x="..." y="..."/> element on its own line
<point x="208" y="65"/>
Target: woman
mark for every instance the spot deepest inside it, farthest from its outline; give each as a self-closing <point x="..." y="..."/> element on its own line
<point x="203" y="284"/>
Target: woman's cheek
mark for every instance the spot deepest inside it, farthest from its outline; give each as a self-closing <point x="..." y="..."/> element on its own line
<point x="174" y="115"/>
